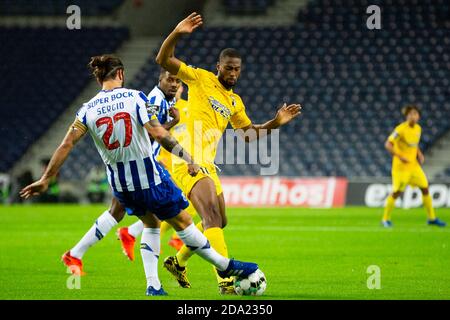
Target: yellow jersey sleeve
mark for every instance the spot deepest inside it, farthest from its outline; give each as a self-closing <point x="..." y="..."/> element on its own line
<point x="395" y="135"/>
<point x="188" y="74"/>
<point x="240" y="119"/>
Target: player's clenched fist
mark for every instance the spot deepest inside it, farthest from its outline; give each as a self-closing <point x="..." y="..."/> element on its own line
<point x="193" y="169"/>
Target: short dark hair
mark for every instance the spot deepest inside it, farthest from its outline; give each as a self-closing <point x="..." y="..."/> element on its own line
<point x="105" y="67"/>
<point x="408" y="108"/>
<point x="162" y="71"/>
<point x="229" y="52"/>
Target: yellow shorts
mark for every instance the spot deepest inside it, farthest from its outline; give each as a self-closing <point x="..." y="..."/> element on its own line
<point x="414" y="177"/>
<point x="166" y="162"/>
<point x="165" y="158"/>
<point x="186" y="182"/>
<point x="191" y="210"/>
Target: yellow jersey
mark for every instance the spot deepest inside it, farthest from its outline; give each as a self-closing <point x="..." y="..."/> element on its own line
<point x="211" y="108"/>
<point x="406" y="143"/>
<point x="178" y="132"/>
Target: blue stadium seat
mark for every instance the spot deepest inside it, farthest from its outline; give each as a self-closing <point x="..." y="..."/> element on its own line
<point x="351" y="81"/>
<point x="42" y="75"/>
<point x="57" y="7"/>
<point x="247" y="6"/>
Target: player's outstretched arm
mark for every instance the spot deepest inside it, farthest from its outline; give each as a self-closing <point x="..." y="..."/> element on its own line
<point x="75" y="133"/>
<point x="284" y="115"/>
<point x="168" y="142"/>
<point x="166" y="55"/>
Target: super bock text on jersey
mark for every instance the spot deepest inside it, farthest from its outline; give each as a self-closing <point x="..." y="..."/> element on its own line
<point x="115" y="119"/>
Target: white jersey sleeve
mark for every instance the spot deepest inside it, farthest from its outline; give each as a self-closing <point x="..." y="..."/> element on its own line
<point x="81" y="115"/>
<point x="143" y="109"/>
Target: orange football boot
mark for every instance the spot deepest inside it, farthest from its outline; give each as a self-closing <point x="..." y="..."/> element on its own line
<point x="74" y="264"/>
<point x="176" y="243"/>
<point x="127" y="241"/>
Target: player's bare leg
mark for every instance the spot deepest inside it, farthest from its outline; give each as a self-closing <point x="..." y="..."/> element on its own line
<point x="199" y="244"/>
<point x="104" y="223"/>
<point x="428" y="204"/>
<point x="211" y="208"/>
<point x="226" y="286"/>
<point x="175" y="241"/>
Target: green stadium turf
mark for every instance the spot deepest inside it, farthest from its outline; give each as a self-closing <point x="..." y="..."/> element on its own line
<point x="305" y="254"/>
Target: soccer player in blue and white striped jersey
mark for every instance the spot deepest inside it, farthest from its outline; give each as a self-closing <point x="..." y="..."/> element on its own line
<point x="119" y="123"/>
<point x="162" y="99"/>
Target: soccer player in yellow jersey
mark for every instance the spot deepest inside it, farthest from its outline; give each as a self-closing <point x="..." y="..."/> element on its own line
<point x="165" y="158"/>
<point x="403" y="145"/>
<point x="212" y="105"/>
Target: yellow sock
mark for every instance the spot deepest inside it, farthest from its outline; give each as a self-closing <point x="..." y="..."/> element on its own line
<point x="164" y="228"/>
<point x="428" y="204"/>
<point x="185" y="253"/>
<point x="217" y="241"/>
<point x="390" y="204"/>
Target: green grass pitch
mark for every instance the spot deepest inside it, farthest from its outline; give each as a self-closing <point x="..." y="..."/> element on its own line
<point x="305" y="254"/>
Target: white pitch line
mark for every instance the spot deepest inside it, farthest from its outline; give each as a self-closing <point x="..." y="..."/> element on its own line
<point x="336" y="229"/>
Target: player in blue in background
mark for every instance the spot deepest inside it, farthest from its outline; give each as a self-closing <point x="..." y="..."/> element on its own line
<point x="161" y="99"/>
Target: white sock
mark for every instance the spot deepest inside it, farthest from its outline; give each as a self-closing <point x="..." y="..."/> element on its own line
<point x="150" y="243"/>
<point x="100" y="228"/>
<point x="136" y="228"/>
<point x="197" y="242"/>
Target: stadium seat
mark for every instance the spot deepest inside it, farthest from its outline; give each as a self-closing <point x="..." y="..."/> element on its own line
<point x="57" y="7"/>
<point x="351" y="82"/>
<point x="247" y="6"/>
<point x="49" y="73"/>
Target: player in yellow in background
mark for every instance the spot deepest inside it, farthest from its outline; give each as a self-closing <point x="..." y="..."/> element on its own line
<point x="212" y="105"/>
<point x="407" y="158"/>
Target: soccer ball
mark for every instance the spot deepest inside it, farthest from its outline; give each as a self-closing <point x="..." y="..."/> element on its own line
<point x="253" y="285"/>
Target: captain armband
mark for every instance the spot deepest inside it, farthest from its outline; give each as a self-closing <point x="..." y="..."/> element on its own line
<point x="79" y="126"/>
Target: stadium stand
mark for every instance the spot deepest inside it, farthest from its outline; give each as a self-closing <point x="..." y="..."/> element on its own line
<point x="36" y="86"/>
<point x="247" y="6"/>
<point x="57" y="7"/>
<point x="445" y="173"/>
<point x="351" y="81"/>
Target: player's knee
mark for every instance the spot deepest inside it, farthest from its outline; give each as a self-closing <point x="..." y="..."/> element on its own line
<point x="181" y="221"/>
<point x="150" y="221"/>
<point x="117" y="211"/>
<point x="224" y="221"/>
<point x="212" y="217"/>
<point x="396" y="194"/>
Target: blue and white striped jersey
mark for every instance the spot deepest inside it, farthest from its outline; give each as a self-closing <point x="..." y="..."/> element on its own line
<point x="115" y="120"/>
<point x="157" y="100"/>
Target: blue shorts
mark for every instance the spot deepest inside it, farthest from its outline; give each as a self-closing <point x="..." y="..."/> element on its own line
<point x="165" y="200"/>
